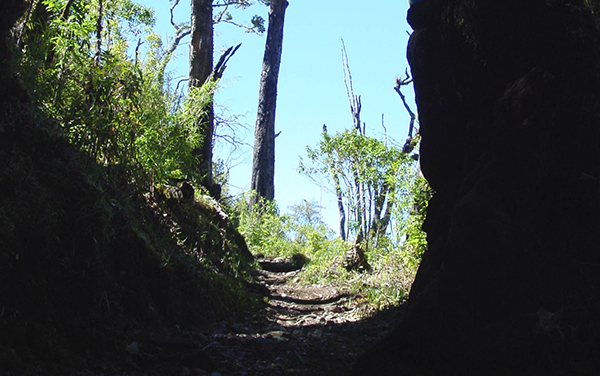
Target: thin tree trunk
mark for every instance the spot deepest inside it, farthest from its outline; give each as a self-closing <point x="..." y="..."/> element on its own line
<point x="387" y="216"/>
<point x="263" y="163"/>
<point x="340" y="204"/>
<point x="99" y="33"/>
<point x="365" y="221"/>
<point x="338" y="189"/>
<point x="358" y="210"/>
<point x="201" y="67"/>
<point x="380" y="199"/>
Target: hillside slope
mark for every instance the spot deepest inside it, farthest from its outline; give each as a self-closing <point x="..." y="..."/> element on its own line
<point x="85" y="259"/>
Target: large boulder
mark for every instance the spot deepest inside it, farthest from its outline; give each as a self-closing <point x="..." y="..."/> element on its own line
<point x="508" y="94"/>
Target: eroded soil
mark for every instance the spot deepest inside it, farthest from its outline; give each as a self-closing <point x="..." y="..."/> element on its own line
<point x="302" y="330"/>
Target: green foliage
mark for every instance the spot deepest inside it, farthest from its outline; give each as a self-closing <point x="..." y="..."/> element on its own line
<point x="594" y="5"/>
<point x="89" y="254"/>
<point x="257" y="23"/>
<point x="415" y="240"/>
<point x="270" y="233"/>
<point x="370" y="177"/>
<point x="266" y="230"/>
<point x="381" y="188"/>
<point x="118" y="109"/>
<point x="307" y="213"/>
<point x="120" y="112"/>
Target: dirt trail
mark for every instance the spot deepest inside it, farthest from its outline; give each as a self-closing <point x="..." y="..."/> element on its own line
<point x="303" y="330"/>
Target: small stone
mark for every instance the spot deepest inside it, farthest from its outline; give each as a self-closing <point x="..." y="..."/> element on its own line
<point x="133" y="348"/>
<point x="277" y="335"/>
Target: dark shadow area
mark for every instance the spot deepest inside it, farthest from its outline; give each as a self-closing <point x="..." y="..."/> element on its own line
<point x="96" y="279"/>
<point x="265" y="344"/>
<point x="508" y="98"/>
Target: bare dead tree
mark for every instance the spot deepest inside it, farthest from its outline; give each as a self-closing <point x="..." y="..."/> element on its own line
<point x="354" y="100"/>
<point x="355" y="108"/>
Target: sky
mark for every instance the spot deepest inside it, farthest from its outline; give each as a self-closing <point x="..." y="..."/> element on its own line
<point x="311" y="89"/>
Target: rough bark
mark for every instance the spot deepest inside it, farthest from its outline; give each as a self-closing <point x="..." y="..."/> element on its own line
<point x="263" y="163"/>
<point x="201" y="67"/>
<point x="508" y="96"/>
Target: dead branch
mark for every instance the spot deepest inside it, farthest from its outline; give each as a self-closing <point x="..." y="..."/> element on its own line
<point x="219" y="69"/>
<point x="173" y="9"/>
<point x="180" y="33"/>
<point x="66" y="10"/>
<point x="408" y="145"/>
<point x="355" y="101"/>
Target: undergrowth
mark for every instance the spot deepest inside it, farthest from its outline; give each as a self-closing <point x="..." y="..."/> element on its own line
<point x="272" y="234"/>
<point x="84" y="258"/>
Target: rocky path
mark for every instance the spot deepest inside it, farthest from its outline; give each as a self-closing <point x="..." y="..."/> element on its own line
<point x="303" y="330"/>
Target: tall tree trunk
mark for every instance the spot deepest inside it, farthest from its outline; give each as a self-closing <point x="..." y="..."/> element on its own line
<point x="201" y="66"/>
<point x="263" y="163"/>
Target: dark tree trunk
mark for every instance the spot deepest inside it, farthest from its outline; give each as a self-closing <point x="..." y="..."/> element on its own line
<point x="201" y="66"/>
<point x="263" y="163"/>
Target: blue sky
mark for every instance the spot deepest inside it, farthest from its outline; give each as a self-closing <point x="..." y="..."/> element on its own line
<point x="311" y="90"/>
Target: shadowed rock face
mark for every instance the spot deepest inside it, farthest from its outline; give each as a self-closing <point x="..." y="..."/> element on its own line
<point x="508" y="94"/>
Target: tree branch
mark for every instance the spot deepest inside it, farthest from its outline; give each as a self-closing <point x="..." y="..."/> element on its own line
<point x="66" y="10"/>
<point x="182" y="32"/>
<point x="408" y="145"/>
<point x="172" y="9"/>
<point x="23" y="25"/>
<point x="222" y="63"/>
